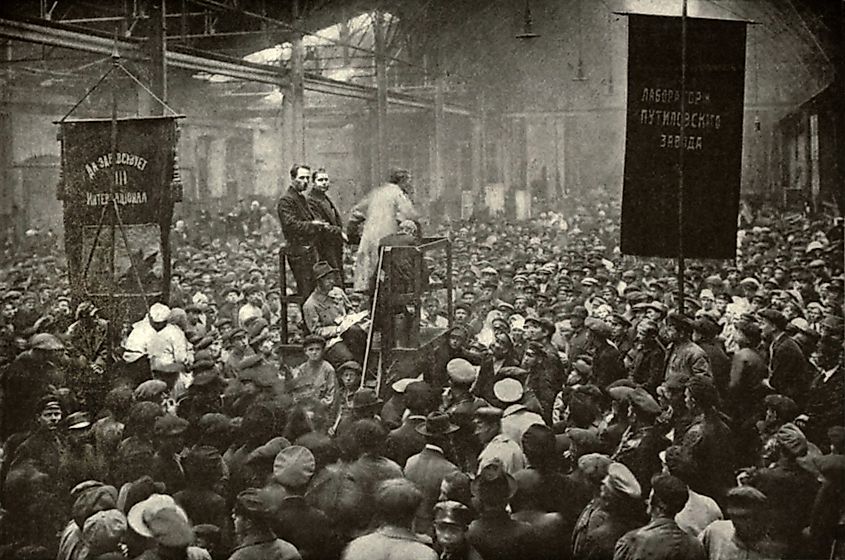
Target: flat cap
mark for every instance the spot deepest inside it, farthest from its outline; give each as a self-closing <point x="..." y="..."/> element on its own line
<point x="488" y="413"/>
<point x="642" y="401"/>
<point x="462" y="372"/>
<point x="621" y="480"/>
<point x="508" y="390"/>
<point x="775" y="317"/>
<point x="170" y="425"/>
<point x="294" y="466"/>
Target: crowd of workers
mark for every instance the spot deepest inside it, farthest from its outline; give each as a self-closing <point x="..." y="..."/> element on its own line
<point x="572" y="410"/>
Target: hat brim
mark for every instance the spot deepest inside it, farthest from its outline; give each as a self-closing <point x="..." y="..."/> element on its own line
<point x="450" y="429"/>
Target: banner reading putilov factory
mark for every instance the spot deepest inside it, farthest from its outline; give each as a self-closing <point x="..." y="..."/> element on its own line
<point x="712" y="143"/>
<point x="137" y="176"/>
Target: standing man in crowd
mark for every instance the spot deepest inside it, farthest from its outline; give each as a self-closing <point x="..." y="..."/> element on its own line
<point x="300" y="227"/>
<point x="329" y="243"/>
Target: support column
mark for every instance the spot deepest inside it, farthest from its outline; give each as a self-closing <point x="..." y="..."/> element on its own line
<point x="438" y="142"/>
<point x="297" y="97"/>
<point x="380" y="154"/>
<point x="158" y="50"/>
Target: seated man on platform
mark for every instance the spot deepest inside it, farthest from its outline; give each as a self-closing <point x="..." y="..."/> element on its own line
<point x="346" y="338"/>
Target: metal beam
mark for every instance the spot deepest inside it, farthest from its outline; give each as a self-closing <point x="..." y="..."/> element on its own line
<point x="56" y="35"/>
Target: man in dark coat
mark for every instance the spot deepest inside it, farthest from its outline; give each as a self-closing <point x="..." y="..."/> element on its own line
<point x="661" y="539"/>
<point x="647" y="358"/>
<point x="429" y="467"/>
<point x="300" y="227"/>
<point x="787" y="366"/>
<point x="824" y="399"/>
<point x="611" y="514"/>
<point x="405" y="441"/>
<point x="494" y="534"/>
<point x="705" y="331"/>
<point x="685" y="358"/>
<point x="607" y="362"/>
<point x="329" y="243"/>
<point x="709" y="441"/>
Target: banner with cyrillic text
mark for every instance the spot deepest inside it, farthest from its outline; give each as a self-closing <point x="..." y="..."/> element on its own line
<point x="712" y="140"/>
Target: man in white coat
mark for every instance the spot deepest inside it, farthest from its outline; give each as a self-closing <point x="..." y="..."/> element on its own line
<point x="385" y="208"/>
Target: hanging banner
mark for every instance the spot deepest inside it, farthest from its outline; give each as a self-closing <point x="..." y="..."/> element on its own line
<point x="118" y="193"/>
<point x="712" y="117"/>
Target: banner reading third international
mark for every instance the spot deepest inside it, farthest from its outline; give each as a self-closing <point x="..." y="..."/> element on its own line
<point x="712" y="145"/>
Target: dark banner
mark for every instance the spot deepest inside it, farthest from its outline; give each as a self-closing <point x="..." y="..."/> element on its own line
<point x="141" y="167"/>
<point x="118" y="203"/>
<point x="712" y="145"/>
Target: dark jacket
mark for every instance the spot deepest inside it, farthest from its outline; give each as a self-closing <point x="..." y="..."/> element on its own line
<point x="597" y="531"/>
<point x="640" y="450"/>
<point x="709" y="443"/>
<point x="607" y="365"/>
<point x="298" y="226"/>
<point x="661" y="539"/>
<point x="307" y="528"/>
<point x="788" y="368"/>
<point x="405" y="441"/>
<point x="647" y="363"/>
<point x="498" y="537"/>
<point x="720" y="364"/>
<point x="329" y="243"/>
<point x="824" y="404"/>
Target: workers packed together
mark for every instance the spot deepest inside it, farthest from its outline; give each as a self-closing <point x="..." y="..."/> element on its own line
<point x="571" y="410"/>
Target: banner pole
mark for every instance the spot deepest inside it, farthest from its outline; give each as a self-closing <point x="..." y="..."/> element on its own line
<point x="682" y="135"/>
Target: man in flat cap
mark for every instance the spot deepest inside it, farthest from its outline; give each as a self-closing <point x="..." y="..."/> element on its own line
<point x="685" y="357"/>
<point x="451" y="521"/>
<point x="790" y="490"/>
<point x="647" y="359"/>
<point x="709" y="442"/>
<point x="615" y="511"/>
<point x="460" y="403"/>
<point x="788" y="373"/>
<point x="641" y="444"/>
<point x="661" y="539"/>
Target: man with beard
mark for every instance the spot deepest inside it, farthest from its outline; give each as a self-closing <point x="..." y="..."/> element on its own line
<point x="329" y="243"/>
<point x="453" y="347"/>
<point x="300" y="227"/>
